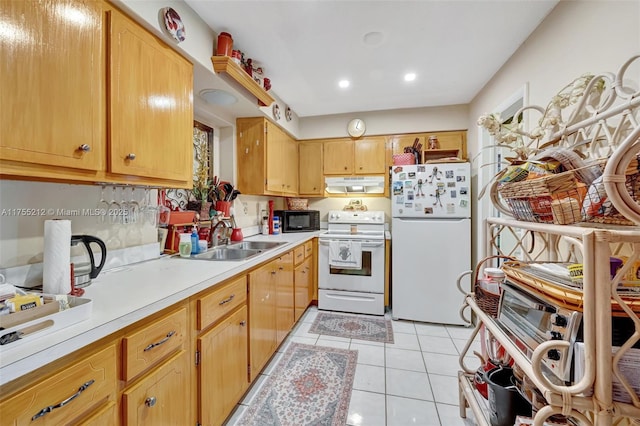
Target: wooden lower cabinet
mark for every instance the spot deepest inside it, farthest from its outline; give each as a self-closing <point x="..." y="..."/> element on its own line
<point x="162" y="397"/>
<point x="87" y="385"/>
<point x="262" y="317"/>
<point x="284" y="296"/>
<point x="303" y="286"/>
<point x="106" y="414"/>
<point x="222" y="369"/>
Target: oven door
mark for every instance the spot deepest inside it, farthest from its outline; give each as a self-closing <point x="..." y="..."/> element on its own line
<point x="369" y="278"/>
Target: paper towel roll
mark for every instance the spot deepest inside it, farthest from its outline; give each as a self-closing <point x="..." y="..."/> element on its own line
<point x="56" y="273"/>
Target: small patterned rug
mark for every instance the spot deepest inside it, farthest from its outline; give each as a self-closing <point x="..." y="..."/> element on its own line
<point x="311" y="385"/>
<point x="375" y="329"/>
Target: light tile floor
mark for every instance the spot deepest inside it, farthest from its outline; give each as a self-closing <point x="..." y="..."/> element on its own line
<point x="412" y="381"/>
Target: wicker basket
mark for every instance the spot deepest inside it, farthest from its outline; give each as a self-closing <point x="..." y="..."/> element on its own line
<point x="564" y="199"/>
<point x="297" y="203"/>
<point x="486" y="300"/>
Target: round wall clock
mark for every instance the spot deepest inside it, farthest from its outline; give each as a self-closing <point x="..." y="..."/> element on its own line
<point x="356" y="127"/>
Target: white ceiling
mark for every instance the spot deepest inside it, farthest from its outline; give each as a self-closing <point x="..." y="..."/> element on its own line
<point x="305" y="47"/>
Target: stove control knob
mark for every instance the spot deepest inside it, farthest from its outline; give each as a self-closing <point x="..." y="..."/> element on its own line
<point x="554" y="355"/>
<point x="559" y="320"/>
<point x="554" y="335"/>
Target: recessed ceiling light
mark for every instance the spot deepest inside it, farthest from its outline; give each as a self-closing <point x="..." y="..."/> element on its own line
<point x="344" y="84"/>
<point x="409" y="76"/>
<point x="374" y="38"/>
<point x="218" y="97"/>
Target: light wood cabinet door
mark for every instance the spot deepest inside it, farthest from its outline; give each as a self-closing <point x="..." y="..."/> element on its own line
<point x="338" y="157"/>
<point x="162" y="397"/>
<point x="223" y="368"/>
<point x="284" y="296"/>
<point x="303" y="286"/>
<point x="52" y="80"/>
<point x="275" y="146"/>
<point x="251" y="155"/>
<point x="151" y="105"/>
<point x="310" y="177"/>
<point x="85" y="386"/>
<point x="290" y="167"/>
<point x="262" y="317"/>
<point x="224" y="299"/>
<point x="369" y="155"/>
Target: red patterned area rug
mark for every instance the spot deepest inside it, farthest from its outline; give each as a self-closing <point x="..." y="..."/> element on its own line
<point x="311" y="385"/>
<point x="376" y="329"/>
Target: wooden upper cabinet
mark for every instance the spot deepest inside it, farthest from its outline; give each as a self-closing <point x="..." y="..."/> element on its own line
<point x="151" y="105"/>
<point x="267" y="158"/>
<point x="338" y="157"/>
<point x="52" y="80"/>
<point x="310" y="177"/>
<point x="369" y="155"/>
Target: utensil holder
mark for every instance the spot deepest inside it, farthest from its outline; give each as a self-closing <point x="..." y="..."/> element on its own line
<point x="224" y="207"/>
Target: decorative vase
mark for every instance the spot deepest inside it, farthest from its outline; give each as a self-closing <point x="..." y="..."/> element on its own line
<point x="205" y="209"/>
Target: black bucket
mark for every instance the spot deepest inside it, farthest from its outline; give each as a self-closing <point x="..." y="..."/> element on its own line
<point x="505" y="401"/>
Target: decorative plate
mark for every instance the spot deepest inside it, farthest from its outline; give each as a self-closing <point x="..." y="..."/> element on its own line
<point x="173" y="24"/>
<point x="276" y="112"/>
<point x="288" y="114"/>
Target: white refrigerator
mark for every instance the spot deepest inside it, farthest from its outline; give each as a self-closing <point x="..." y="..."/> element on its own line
<point x="431" y="240"/>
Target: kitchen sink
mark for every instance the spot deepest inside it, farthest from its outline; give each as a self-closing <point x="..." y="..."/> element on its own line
<point x="225" y="253"/>
<point x="238" y="251"/>
<point x="255" y="245"/>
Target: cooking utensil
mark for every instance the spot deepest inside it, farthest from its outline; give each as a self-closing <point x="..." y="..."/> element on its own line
<point x="228" y="189"/>
<point x="234" y="194"/>
<point x="19" y="334"/>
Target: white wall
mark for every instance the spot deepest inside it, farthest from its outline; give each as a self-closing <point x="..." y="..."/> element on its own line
<point x="577" y="37"/>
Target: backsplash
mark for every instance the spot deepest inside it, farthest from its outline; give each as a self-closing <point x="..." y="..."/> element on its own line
<point x="24" y="206"/>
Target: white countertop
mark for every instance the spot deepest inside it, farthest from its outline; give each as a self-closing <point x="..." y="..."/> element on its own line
<point x="122" y="296"/>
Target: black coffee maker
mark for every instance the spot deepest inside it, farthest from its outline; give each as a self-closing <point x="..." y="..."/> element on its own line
<point x="84" y="264"/>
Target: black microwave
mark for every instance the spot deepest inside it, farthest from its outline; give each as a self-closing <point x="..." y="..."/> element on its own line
<point x="298" y="220"/>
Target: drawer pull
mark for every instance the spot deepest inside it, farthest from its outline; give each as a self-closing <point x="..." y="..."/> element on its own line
<point x="131" y="157"/>
<point x="50" y="408"/>
<point x="84" y="147"/>
<point x="153" y="345"/>
<point x="304" y="272"/>
<point x="243" y="323"/>
<point x="150" y="402"/>
<point x="229" y="299"/>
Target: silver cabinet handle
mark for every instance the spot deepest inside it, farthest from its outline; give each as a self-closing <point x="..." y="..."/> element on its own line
<point x="304" y="272"/>
<point x="84" y="148"/>
<point x="243" y="323"/>
<point x="131" y="156"/>
<point x="153" y="345"/>
<point x="227" y="300"/>
<point x="150" y="402"/>
<point x="50" y="408"/>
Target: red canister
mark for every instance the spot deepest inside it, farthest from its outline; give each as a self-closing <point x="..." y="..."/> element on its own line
<point x="225" y="44"/>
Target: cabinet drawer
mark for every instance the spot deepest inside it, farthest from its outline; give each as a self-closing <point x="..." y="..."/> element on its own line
<point x="308" y="248"/>
<point x="83" y="386"/>
<point x="284" y="262"/>
<point x="217" y="304"/>
<point x="145" y="347"/>
<point x="162" y="397"/>
<point x="299" y="254"/>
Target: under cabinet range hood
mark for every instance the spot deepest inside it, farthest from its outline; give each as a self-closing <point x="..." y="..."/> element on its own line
<point x="355" y="185"/>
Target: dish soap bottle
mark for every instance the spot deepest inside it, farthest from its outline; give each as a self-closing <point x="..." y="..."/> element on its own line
<point x="185" y="245"/>
<point x="194" y="240"/>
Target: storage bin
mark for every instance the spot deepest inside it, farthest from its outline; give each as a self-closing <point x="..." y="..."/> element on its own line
<point x="404" y="159"/>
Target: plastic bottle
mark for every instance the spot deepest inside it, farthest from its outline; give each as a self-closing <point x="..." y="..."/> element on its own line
<point x="185" y="245"/>
<point x="276" y="225"/>
<point x="194" y="241"/>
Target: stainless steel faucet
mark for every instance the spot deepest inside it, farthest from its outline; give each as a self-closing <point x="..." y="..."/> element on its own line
<point x="220" y="239"/>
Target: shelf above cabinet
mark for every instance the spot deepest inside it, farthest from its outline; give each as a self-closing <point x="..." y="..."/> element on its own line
<point x="225" y="65"/>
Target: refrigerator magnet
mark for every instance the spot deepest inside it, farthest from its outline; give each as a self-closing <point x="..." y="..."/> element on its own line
<point x="451" y="208"/>
<point x="421" y="169"/>
<point x="464" y="190"/>
<point x="409" y="195"/>
<point x="448" y="174"/>
<point x="397" y="188"/>
<point x="412" y="175"/>
<point x="451" y="184"/>
<point x="399" y="199"/>
<point x="464" y="203"/>
<point x="402" y="176"/>
<point x="428" y="210"/>
<point x="418" y="188"/>
<point x="418" y="207"/>
<point x="408" y="205"/>
<point x="460" y="178"/>
<point x="453" y="194"/>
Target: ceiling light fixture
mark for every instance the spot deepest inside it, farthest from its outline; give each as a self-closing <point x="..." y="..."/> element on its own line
<point x="218" y="97"/>
<point x="409" y="76"/>
<point x="343" y="84"/>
